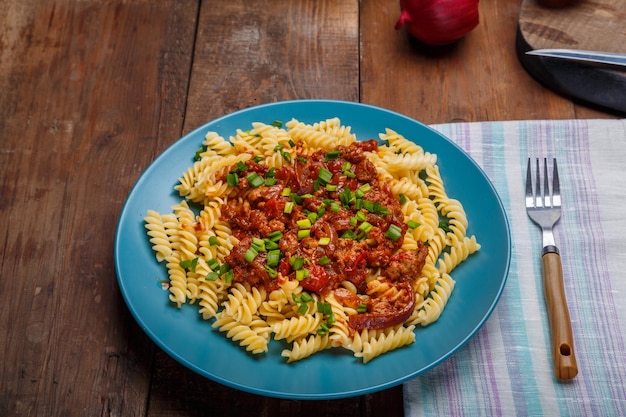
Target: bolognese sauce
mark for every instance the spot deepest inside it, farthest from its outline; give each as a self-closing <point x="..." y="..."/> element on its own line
<point x="323" y="219"/>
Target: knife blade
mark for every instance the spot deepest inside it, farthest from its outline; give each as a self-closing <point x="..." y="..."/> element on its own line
<point x="596" y="57"/>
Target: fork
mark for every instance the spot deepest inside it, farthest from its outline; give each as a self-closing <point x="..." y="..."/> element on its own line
<point x="544" y="208"/>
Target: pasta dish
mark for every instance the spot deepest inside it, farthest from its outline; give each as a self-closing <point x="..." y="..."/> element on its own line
<point x="302" y="234"/>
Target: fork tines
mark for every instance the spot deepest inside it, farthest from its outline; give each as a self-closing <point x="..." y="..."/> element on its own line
<point x="543" y="196"/>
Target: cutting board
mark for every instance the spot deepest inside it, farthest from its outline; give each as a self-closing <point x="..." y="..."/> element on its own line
<point x="583" y="24"/>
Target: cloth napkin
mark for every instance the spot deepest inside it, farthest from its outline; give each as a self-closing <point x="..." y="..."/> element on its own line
<point x="506" y="369"/>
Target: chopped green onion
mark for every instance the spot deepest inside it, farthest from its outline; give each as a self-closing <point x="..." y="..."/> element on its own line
<point x="286" y="192"/>
<point x="323" y="241"/>
<point x="303" y="309"/>
<point x="412" y="224"/>
<point x="271" y="272"/>
<point x="200" y="150"/>
<point x="232" y="179"/>
<point x="189" y="264"/>
<point x="240" y="167"/>
<point x="291" y="143"/>
<point x="362" y="308"/>
<point x="444" y="225"/>
<point x="306" y="297"/>
<point x="360" y="216"/>
<point x="277" y="123"/>
<point x="255" y="180"/>
<point x="275" y="236"/>
<point x="302" y="274"/>
<point x="334" y="207"/>
<point x="346" y="197"/>
<point x="250" y="254"/>
<point x="324" y="308"/>
<point x="324" y="175"/>
<point x="346" y="170"/>
<point x="332" y="155"/>
<point x="214" y="241"/>
<point x="304" y="233"/>
<point x="393" y="233"/>
<point x="320" y="211"/>
<point x="365" y="187"/>
<point x="288" y="207"/>
<point x="348" y="234"/>
<point x="258" y="244"/>
<point x="212" y="276"/>
<point x="270" y="244"/>
<point x="213" y="264"/>
<point x="359" y="193"/>
<point x="402" y="199"/>
<point x="270" y="181"/>
<point x="365" y="227"/>
<point x="257" y="159"/>
<point x="296" y="262"/>
<point x="224" y="269"/>
<point x="331" y="187"/>
<point x="273" y="258"/>
<point x="353" y="221"/>
<point x="312" y="216"/>
<point x="324" y="260"/>
<point x="230" y="275"/>
<point x="304" y="223"/>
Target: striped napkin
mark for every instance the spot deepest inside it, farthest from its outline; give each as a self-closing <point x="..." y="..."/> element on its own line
<point x="506" y="369"/>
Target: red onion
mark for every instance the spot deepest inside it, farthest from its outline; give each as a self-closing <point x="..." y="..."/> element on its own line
<point x="438" y="22"/>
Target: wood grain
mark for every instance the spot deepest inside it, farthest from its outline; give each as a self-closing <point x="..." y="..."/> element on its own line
<point x="89" y="97"/>
<point x="598" y="25"/>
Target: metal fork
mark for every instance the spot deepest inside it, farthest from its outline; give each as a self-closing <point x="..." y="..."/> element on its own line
<point x="544" y="208"/>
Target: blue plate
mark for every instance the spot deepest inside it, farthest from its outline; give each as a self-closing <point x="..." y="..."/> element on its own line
<point x="334" y="373"/>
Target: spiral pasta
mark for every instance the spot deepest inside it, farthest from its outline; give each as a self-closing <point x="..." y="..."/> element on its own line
<point x="194" y="242"/>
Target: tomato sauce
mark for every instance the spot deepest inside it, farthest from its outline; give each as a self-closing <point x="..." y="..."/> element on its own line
<point x="322" y="219"/>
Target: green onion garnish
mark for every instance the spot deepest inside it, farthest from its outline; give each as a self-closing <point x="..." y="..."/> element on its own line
<point x="324" y="308"/>
<point x="214" y="241"/>
<point x="304" y="233"/>
<point x="302" y="274"/>
<point x="362" y="308"/>
<point x="332" y="155"/>
<point x="323" y="241"/>
<point x="303" y="309"/>
<point x="189" y="264"/>
<point x="288" y="207"/>
<point x="304" y="223"/>
<point x="232" y="179"/>
<point x="324" y="175"/>
<point x="324" y="260"/>
<point x="412" y="224"/>
<point x="296" y="262"/>
<point x="250" y="254"/>
<point x="365" y="227"/>
<point x="393" y="233"/>
<point x="255" y="180"/>
<point x="273" y="258"/>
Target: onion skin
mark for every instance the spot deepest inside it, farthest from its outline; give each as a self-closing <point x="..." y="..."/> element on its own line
<point x="438" y="22"/>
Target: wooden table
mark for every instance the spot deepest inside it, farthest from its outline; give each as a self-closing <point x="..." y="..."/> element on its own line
<point x="93" y="90"/>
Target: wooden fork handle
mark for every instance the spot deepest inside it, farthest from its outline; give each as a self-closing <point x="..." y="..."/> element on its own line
<point x="563" y="356"/>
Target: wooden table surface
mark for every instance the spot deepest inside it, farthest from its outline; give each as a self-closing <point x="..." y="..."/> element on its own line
<point x="91" y="91"/>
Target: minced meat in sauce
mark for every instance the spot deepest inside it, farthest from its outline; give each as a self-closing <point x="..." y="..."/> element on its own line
<point x="323" y="219"/>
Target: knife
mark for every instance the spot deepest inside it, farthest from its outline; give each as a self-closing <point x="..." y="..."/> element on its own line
<point x="596" y="57"/>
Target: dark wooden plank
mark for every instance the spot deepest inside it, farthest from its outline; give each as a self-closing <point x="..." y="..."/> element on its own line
<point x="91" y="92"/>
<point x="477" y="79"/>
<point x="250" y="52"/>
